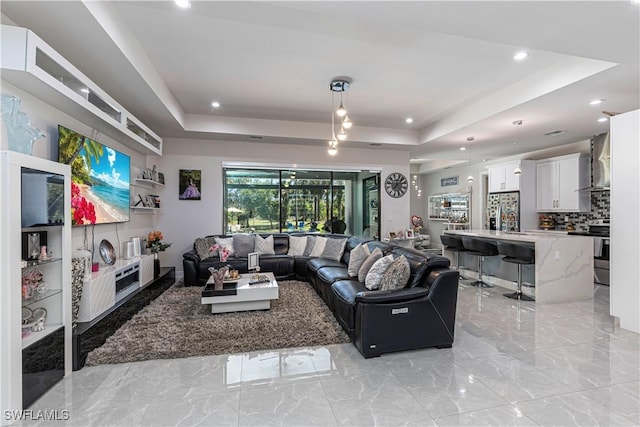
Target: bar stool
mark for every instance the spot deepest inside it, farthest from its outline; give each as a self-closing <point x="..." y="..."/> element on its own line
<point x="454" y="244"/>
<point x="519" y="255"/>
<point x="480" y="248"/>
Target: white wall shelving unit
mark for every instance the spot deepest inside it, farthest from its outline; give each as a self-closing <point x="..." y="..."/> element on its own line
<point x="35" y="67"/>
<point x="56" y="272"/>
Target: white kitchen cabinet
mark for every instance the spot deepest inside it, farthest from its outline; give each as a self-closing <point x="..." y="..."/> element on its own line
<point x="559" y="184"/>
<point x="502" y="177"/>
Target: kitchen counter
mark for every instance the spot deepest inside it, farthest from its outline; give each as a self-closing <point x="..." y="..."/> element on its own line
<point x="564" y="263"/>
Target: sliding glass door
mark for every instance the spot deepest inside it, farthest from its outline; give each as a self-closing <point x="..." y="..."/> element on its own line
<point x="269" y="200"/>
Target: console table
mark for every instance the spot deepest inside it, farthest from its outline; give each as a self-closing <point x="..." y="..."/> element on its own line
<point x="90" y="335"/>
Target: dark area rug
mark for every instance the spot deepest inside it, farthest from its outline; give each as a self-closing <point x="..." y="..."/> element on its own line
<point x="177" y="325"/>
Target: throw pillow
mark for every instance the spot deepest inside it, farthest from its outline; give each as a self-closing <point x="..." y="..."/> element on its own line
<point x="318" y="247"/>
<point x="227" y="242"/>
<point x="368" y="263"/>
<point x="397" y="275"/>
<point x="311" y="242"/>
<point x="358" y="255"/>
<point x="297" y="245"/>
<point x="334" y="248"/>
<point x="375" y="274"/>
<point x="243" y="244"/>
<point x="264" y="246"/>
<point x="202" y="246"/>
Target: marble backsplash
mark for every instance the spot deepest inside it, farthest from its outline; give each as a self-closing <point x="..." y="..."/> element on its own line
<point x="600" y="208"/>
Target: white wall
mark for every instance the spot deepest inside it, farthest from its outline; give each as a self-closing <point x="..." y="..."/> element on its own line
<point x="625" y="224"/>
<point x="47" y="118"/>
<point x="182" y="221"/>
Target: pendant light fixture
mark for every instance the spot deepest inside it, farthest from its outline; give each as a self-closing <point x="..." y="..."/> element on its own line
<point x="338" y="85"/>
<point x="517" y="170"/>
<point x="470" y="139"/>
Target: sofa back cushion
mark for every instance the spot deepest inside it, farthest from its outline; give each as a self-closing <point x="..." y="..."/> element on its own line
<point x="311" y="242"/>
<point x="397" y="275"/>
<point x="202" y="246"/>
<point x="375" y="274"/>
<point x="243" y="245"/>
<point x="368" y="263"/>
<point x="227" y="242"/>
<point x="264" y="245"/>
<point x="420" y="264"/>
<point x="281" y="244"/>
<point x="328" y="247"/>
<point x="358" y="255"/>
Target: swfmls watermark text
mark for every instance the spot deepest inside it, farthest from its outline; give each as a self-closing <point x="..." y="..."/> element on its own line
<point x="37" y="415"/>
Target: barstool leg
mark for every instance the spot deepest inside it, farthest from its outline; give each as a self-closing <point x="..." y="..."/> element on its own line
<point x="479" y="283"/>
<point x="458" y="267"/>
<point x="518" y="294"/>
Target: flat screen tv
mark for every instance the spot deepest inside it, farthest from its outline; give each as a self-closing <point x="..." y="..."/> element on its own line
<point x="99" y="179"/>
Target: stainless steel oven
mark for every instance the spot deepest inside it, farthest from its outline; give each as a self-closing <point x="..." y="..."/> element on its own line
<point x="599" y="230"/>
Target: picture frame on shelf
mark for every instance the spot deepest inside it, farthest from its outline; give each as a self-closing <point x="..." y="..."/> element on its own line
<point x="392" y="235"/>
<point x="160" y="178"/>
<point x="409" y="234"/>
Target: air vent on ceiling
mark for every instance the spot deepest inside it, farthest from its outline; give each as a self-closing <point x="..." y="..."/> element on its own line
<point x="375" y="144"/>
<point x="555" y="133"/>
<point x="256" y="137"/>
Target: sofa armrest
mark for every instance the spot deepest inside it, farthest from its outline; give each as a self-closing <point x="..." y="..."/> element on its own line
<point x="378" y="297"/>
<point x="191" y="255"/>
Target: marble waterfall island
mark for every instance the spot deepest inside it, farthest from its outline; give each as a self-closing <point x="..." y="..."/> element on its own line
<point x="563" y="264"/>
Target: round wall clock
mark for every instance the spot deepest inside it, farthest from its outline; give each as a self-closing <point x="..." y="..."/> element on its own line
<point x="396" y="184"/>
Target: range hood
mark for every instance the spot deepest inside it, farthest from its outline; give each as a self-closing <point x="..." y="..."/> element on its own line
<point x="600" y="163"/>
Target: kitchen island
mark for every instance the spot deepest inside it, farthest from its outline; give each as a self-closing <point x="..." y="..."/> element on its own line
<point x="563" y="268"/>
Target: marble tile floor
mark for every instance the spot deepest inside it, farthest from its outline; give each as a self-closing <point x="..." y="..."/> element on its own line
<point x="512" y="363"/>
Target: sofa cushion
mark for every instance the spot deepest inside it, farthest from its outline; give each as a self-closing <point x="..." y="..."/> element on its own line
<point x="315" y="264"/>
<point x="244" y="244"/>
<point x="297" y="245"/>
<point x="375" y="274"/>
<point x="311" y="242"/>
<point x="202" y="246"/>
<point x="331" y="274"/>
<point x="396" y="276"/>
<point x="318" y="247"/>
<point x="334" y="249"/>
<point x="368" y="263"/>
<point x="264" y="246"/>
<point x="358" y="255"/>
<point x="227" y="242"/>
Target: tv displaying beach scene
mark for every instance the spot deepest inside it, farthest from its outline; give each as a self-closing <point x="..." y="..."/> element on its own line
<point x="99" y="179"/>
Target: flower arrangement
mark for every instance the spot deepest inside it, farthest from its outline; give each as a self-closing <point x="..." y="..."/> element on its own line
<point x="222" y="250"/>
<point x="82" y="211"/>
<point x="155" y="243"/>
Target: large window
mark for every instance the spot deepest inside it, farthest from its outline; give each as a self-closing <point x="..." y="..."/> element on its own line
<point x="267" y="201"/>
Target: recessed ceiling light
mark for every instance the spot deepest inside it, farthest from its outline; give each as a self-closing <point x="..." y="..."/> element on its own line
<point x="463" y="148"/>
<point x="185" y="4"/>
<point x="514" y="142"/>
<point x="602" y="119"/>
<point x="408" y="120"/>
<point x="215" y="104"/>
<point x="85" y="90"/>
<point x="596" y="102"/>
<point x="471" y="138"/>
<point x="520" y="56"/>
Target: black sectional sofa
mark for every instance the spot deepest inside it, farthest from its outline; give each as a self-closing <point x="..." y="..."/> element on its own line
<point x="420" y="315"/>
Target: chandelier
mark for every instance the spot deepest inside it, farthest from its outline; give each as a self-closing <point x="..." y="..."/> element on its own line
<point x="344" y="121"/>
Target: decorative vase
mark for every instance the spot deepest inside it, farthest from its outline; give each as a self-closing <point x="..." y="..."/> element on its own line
<point x="218" y="277"/>
<point x="20" y="133"/>
<point x="156" y="266"/>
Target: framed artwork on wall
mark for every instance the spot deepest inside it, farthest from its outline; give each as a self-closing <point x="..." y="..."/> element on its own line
<point x="190" y="182"/>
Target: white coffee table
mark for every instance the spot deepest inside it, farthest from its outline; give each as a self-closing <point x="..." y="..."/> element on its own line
<point x="248" y="297"/>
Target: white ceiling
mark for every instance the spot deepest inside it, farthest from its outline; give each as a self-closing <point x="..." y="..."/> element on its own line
<point x="446" y="64"/>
